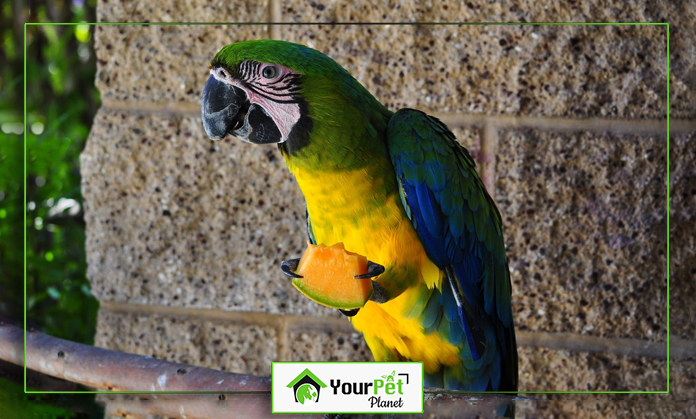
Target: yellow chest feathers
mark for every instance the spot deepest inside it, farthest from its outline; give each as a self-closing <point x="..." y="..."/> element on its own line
<point x="365" y="213"/>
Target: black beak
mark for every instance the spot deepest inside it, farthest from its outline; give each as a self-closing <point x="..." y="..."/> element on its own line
<point x="225" y="109"/>
<point x="220" y="108"/>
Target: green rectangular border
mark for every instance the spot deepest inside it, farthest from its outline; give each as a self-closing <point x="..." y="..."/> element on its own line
<point x="337" y="24"/>
<point x="346" y="362"/>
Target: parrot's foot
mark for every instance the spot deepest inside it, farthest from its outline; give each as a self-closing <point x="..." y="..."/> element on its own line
<point x="349" y="313"/>
<point x="373" y="269"/>
<point x="290" y="266"/>
<point x="379" y="294"/>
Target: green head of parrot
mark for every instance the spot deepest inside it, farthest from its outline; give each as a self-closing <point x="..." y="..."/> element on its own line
<point x="254" y="91"/>
<point x="268" y="91"/>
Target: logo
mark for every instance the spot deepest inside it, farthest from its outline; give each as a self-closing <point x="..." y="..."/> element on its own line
<point x="347" y="387"/>
<point x="306" y="387"/>
<point x="386" y="387"/>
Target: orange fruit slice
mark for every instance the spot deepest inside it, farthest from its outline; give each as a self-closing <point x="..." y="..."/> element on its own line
<point x="328" y="277"/>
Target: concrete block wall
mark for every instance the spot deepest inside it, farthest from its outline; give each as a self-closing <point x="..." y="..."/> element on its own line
<point x="568" y="127"/>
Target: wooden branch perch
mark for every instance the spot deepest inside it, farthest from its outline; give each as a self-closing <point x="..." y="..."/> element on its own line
<point x="195" y="406"/>
<point x="258" y="405"/>
<point x="116" y="371"/>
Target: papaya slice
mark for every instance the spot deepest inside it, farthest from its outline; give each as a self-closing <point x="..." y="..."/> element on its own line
<point x="328" y="277"/>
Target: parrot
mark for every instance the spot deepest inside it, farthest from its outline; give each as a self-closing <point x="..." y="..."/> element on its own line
<point x="395" y="187"/>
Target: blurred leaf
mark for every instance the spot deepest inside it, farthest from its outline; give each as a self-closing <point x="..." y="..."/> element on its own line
<point x="82" y="33"/>
<point x="53" y="293"/>
<point x="8" y="44"/>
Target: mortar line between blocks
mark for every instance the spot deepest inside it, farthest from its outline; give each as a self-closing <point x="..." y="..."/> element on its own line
<point x="286" y="324"/>
<point x="276" y="16"/>
<point x="282" y="339"/>
<point x="618" y="346"/>
<point x="489" y="145"/>
<point x="561" y="124"/>
<point x="619" y="126"/>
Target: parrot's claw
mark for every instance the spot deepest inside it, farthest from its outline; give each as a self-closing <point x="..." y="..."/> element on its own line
<point x="373" y="269"/>
<point x="349" y="313"/>
<point x="289" y="267"/>
<point x="379" y="294"/>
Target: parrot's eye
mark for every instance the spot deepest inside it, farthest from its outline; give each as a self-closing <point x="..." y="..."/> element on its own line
<point x="269" y="72"/>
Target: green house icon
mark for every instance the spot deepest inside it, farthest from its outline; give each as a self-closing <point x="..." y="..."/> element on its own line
<point x="306" y="387"/>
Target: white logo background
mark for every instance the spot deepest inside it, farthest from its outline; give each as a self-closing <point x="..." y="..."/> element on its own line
<point x="400" y="392"/>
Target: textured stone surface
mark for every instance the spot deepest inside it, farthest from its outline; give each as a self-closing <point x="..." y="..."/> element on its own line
<point x="334" y="346"/>
<point x="613" y="80"/>
<point x="182" y="11"/>
<point x="542" y="369"/>
<point x="175" y="219"/>
<point x="470" y="138"/>
<point x="682" y="242"/>
<point x="573" y="71"/>
<point x="680" y="15"/>
<point x="682" y="379"/>
<point x="467" y="11"/>
<point x="158" y="63"/>
<point x="678" y="404"/>
<point x="585" y="226"/>
<point x="451" y="405"/>
<point x="682" y="60"/>
<point x="619" y="54"/>
<point x="576" y="406"/>
<point x="195" y="341"/>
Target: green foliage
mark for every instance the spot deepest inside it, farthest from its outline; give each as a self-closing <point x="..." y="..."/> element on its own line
<point x="61" y="101"/>
<point x="15" y="404"/>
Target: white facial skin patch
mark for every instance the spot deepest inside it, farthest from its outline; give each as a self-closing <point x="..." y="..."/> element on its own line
<point x="268" y="94"/>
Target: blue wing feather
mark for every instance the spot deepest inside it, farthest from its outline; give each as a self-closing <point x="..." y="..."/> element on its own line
<point x="427" y="204"/>
<point x="460" y="228"/>
<point x="434" y="248"/>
